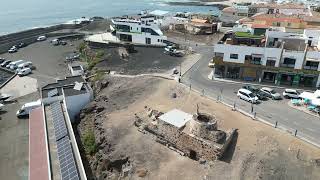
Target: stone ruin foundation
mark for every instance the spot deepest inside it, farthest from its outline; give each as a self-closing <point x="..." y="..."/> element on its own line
<point x="199" y="139"/>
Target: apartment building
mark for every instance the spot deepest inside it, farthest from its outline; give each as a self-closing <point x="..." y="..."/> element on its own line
<point x="275" y="8"/>
<point x="278" y="57"/>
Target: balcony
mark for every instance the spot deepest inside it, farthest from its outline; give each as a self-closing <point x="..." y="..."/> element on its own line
<point x="287" y="65"/>
<point x="314" y="68"/>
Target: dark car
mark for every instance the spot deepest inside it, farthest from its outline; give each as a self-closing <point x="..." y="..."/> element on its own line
<point x="256" y="91"/>
<point x="21" y="45"/>
<point x="6" y="62"/>
<point x="2" y="59"/>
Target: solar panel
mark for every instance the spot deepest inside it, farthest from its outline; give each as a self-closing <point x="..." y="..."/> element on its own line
<point x="60" y="129"/>
<point x="53" y="92"/>
<point x="68" y="167"/>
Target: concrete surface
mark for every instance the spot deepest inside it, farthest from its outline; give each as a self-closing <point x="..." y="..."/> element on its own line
<point x="20" y="86"/>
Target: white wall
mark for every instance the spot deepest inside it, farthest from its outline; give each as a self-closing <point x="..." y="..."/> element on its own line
<point x="298" y="55"/>
<point x="242" y="51"/>
<point x="315" y="34"/>
<point x="76" y="103"/>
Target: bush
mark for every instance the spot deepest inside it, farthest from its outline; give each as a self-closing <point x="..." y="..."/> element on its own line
<point x="90" y="145"/>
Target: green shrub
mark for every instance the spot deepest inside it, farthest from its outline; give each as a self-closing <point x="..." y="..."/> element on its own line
<point x="90" y="145"/>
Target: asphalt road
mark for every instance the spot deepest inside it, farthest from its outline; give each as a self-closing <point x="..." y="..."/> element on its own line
<point x="307" y="126"/>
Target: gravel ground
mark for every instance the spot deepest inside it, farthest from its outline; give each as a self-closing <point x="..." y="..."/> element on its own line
<point x="144" y="60"/>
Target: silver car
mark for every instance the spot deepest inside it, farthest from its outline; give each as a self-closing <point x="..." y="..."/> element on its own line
<point x="271" y="93"/>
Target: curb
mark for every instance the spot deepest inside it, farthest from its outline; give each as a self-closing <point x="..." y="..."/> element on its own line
<point x="255" y="84"/>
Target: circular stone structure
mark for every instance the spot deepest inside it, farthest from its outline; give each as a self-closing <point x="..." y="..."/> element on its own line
<point x="202" y="125"/>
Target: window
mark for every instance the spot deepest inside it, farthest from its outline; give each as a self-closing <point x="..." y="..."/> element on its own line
<point x="278" y="24"/>
<point x="158" y="40"/>
<point x="219" y="54"/>
<point x="289" y="24"/>
<point x="289" y="61"/>
<point x="233" y="56"/>
<point x="271" y="63"/>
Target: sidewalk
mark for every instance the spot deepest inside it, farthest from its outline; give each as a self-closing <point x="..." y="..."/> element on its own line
<point x="256" y="83"/>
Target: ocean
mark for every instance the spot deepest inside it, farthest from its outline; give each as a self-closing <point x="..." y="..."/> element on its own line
<point x="18" y="15"/>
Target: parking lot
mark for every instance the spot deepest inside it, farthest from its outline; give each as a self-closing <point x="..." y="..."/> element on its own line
<point x="49" y="60"/>
<point x="50" y="65"/>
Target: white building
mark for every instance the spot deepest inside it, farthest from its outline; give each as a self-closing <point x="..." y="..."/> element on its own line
<point x="144" y="31"/>
<point x="73" y="90"/>
<point x="281" y="58"/>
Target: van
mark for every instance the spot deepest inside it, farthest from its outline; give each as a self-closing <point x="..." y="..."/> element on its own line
<point x="13" y="63"/>
<point x="24" y="65"/>
<point x="24" y="72"/>
<point x="247" y="95"/>
<point x="25" y="110"/>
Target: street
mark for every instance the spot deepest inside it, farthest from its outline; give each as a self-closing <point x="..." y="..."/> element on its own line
<point x="273" y="111"/>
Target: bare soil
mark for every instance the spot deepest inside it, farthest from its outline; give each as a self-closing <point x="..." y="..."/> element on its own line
<point x="258" y="152"/>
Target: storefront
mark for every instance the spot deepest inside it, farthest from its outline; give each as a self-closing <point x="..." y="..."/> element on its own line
<point x="269" y="77"/>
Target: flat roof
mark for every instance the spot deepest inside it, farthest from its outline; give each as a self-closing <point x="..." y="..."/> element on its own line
<point x="176" y="117"/>
<point x="65" y="86"/>
<point x="159" y="12"/>
<point x="38" y="159"/>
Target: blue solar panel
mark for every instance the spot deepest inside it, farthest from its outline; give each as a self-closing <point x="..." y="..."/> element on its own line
<point x="53" y="92"/>
<point x="68" y="167"/>
<point x="60" y="129"/>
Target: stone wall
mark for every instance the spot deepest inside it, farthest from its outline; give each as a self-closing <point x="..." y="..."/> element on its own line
<point x="191" y="145"/>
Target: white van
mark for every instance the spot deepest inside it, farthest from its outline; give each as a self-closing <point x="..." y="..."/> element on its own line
<point x="27" y="108"/>
<point x="14" y="65"/>
<point x="24" y="65"/>
<point x="24" y="72"/>
<point x="247" y="95"/>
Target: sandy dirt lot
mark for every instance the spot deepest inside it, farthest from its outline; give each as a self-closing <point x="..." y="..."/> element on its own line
<point x="258" y="152"/>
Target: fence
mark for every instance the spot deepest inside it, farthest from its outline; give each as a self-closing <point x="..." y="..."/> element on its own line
<point x="251" y="110"/>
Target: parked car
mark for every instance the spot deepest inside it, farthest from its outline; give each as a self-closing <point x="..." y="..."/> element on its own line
<point x="5" y="63"/>
<point x="21" y="45"/>
<point x="15" y="64"/>
<point x="24" y="65"/>
<point x="24" y="72"/>
<point x="13" y="49"/>
<point x="247" y="95"/>
<point x="291" y="93"/>
<point x="55" y="42"/>
<point x="256" y="91"/>
<point x="271" y="93"/>
<point x="73" y="56"/>
<point x="41" y="38"/>
<point x="63" y="43"/>
<point x="2" y="60"/>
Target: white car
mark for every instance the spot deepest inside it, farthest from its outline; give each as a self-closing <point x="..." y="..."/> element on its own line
<point x="247" y="95"/>
<point x="15" y="64"/>
<point x="27" y="64"/>
<point x="13" y="50"/>
<point x="41" y="38"/>
<point x="291" y="93"/>
<point x="271" y="93"/>
<point x="24" y="72"/>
